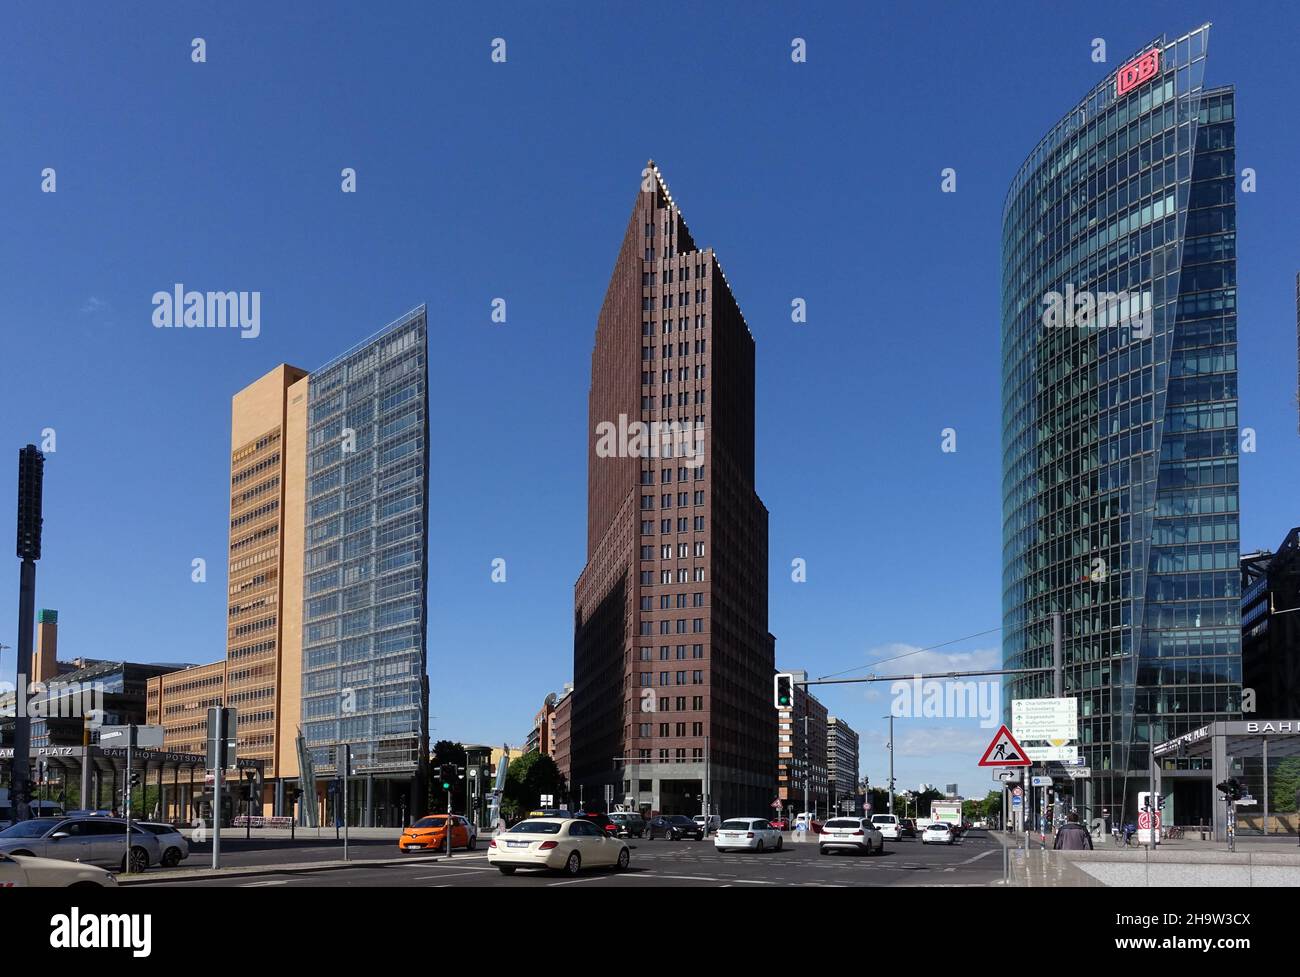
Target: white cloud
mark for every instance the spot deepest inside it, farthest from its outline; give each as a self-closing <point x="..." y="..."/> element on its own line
<point x="92" y="305"/>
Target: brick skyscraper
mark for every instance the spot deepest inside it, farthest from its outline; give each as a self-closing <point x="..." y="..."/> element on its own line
<point x="673" y="661"/>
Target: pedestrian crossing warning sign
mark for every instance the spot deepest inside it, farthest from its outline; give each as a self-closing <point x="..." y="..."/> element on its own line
<point x="1004" y="751"/>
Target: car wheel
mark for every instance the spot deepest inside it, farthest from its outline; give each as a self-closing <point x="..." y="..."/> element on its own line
<point x="473" y="844"/>
<point x="760" y="848"/>
<point x="823" y="851"/>
<point x="139" y="860"/>
<point x="574" y="865"/>
<point x="506" y="869"/>
<point x="624" y="859"/>
<point x="869" y="852"/>
<point x="171" y="858"/>
<point x="672" y="834"/>
<point x="780" y="843"/>
<point x="27" y="853"/>
<point x="85" y="885"/>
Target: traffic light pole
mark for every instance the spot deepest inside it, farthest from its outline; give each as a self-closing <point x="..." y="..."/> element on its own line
<point x="130" y="744"/>
<point x="449" y="821"/>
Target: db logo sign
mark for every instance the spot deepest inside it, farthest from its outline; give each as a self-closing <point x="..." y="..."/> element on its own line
<point x="1142" y="68"/>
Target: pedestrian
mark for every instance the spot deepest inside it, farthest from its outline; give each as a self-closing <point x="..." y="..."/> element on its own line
<point x="1073" y="836"/>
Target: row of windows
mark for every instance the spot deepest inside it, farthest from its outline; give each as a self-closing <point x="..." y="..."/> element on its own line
<point x="647" y="654"/>
<point x="700" y="296"/>
<point x="683" y="575"/>
<point x="666" y="475"/>
<point x="665" y="678"/>
<point x="646" y="730"/>
<point x="699" y="322"/>
<point x="667" y="627"/>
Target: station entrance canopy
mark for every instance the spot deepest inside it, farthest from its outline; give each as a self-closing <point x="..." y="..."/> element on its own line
<point x="1235" y="748"/>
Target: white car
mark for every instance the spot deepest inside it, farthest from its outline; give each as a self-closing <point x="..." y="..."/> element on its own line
<point x="748" y="834"/>
<point x="559" y="844"/>
<point x="23" y="871"/>
<point x="888" y="825"/>
<point x="852" y="834"/>
<point x="714" y="822"/>
<point x="938" y="833"/>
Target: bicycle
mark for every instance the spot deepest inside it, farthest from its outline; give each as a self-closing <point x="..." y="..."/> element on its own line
<point x="1124" y="837"/>
<point x="1172" y="832"/>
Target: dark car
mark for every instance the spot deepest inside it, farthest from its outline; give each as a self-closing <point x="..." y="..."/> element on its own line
<point x="629" y="825"/>
<point x="674" y="827"/>
<point x="601" y="820"/>
<point x="907" y="828"/>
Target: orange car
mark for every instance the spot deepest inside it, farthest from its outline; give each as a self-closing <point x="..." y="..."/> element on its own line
<point x="430" y="834"/>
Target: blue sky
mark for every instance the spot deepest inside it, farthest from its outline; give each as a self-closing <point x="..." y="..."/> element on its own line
<point x="479" y="180"/>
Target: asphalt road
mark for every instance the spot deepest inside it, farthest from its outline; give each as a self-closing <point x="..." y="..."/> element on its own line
<point x="974" y="861"/>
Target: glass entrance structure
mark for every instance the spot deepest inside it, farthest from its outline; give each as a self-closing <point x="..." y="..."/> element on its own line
<point x="1119" y="413"/>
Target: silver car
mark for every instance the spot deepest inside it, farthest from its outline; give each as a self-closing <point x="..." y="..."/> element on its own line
<point x="95" y="841"/>
<point x="175" y="847"/>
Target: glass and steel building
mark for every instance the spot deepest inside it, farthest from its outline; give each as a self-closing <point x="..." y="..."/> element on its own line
<point x="1119" y="413"/>
<point x="365" y="563"/>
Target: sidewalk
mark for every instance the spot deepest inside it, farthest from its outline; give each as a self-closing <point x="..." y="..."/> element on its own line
<point x="1187" y="863"/>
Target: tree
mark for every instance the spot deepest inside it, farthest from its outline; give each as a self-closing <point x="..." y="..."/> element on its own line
<point x="1283" y="783"/>
<point x="527" y="778"/>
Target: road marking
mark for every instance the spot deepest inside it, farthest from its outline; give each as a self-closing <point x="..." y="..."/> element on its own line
<point x="589" y="878"/>
<point x="983" y="854"/>
<point x="252" y="885"/>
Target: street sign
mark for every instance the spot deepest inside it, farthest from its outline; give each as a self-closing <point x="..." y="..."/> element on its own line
<point x="1009" y="776"/>
<point x="776" y="805"/>
<point x="1045" y="719"/>
<point x="1247" y="802"/>
<point x="209" y="778"/>
<point x="1076" y="773"/>
<point x="114" y="735"/>
<point x="1004" y="751"/>
<point x="149" y="737"/>
<point x="1041" y="782"/>
<point x="1044" y="754"/>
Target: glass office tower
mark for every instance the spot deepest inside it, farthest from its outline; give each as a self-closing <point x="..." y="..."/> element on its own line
<point x="1120" y="501"/>
<point x="363" y="667"/>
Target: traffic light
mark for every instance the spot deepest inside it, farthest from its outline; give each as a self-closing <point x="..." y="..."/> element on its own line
<point x="783" y="690"/>
<point x="446" y="774"/>
<point x="135" y="779"/>
<point x="1231" y="789"/>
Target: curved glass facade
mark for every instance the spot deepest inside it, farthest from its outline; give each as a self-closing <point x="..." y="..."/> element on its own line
<point x="1119" y="415"/>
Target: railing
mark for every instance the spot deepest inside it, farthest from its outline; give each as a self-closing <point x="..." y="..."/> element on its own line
<point x="244" y="821"/>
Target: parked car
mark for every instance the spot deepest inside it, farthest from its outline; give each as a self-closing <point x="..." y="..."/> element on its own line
<point x="558" y="844"/>
<point x="888" y="825"/>
<point x="907" y="828"/>
<point x="780" y="824"/>
<point x="674" y="827"/>
<point x="27" y="871"/>
<point x="748" y="834"/>
<point x="97" y="841"/>
<point x="851" y="834"/>
<point x="430" y="834"/>
<point x="175" y="847"/>
<point x="628" y="825"/>
<point x="714" y="822"/>
<point x="938" y="833"/>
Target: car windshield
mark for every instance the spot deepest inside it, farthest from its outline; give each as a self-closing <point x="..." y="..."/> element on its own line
<point x="430" y="823"/>
<point x="884" y="819"/>
<point x="735" y="825"/>
<point x="938" y="827"/>
<point x="158" y="829"/>
<point x="842" y="823"/>
<point x="680" y="819"/>
<point x="32" y="828"/>
<point x="536" y="828"/>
